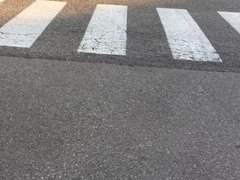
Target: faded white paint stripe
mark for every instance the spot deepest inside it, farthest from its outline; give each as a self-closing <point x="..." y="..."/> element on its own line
<point x="26" y="27"/>
<point x="185" y="38"/>
<point x="233" y="18"/>
<point x="106" y="32"/>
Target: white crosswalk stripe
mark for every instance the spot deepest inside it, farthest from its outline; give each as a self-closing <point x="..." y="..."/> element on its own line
<point x="232" y="18"/>
<point x="106" y="32"/>
<point x="185" y="38"/>
<point x="25" y="28"/>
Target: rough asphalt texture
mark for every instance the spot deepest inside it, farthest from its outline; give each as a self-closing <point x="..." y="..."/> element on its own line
<point x="70" y="120"/>
<point x="153" y="120"/>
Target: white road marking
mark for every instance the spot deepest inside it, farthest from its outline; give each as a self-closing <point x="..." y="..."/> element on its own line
<point x="185" y="38"/>
<point x="233" y="18"/>
<point x="106" y="32"/>
<point x="26" y="27"/>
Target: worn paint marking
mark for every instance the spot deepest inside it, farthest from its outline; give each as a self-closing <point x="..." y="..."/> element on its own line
<point x="26" y="27"/>
<point x="106" y="32"/>
<point x="185" y="38"/>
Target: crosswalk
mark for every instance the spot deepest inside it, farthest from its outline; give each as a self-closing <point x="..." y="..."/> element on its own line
<point x="232" y="18"/>
<point x="186" y="39"/>
<point x="106" y="32"/>
<point x="26" y="27"/>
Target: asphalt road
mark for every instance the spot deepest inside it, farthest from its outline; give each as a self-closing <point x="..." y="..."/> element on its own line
<point x="145" y="115"/>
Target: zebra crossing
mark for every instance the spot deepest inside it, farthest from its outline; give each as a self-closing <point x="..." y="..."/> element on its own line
<point x="232" y="18"/>
<point x="106" y="32"/>
<point x="185" y="37"/>
<point x="26" y="27"/>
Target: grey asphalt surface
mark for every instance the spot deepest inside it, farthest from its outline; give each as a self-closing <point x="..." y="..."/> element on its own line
<point x="145" y="116"/>
<point x="71" y="120"/>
